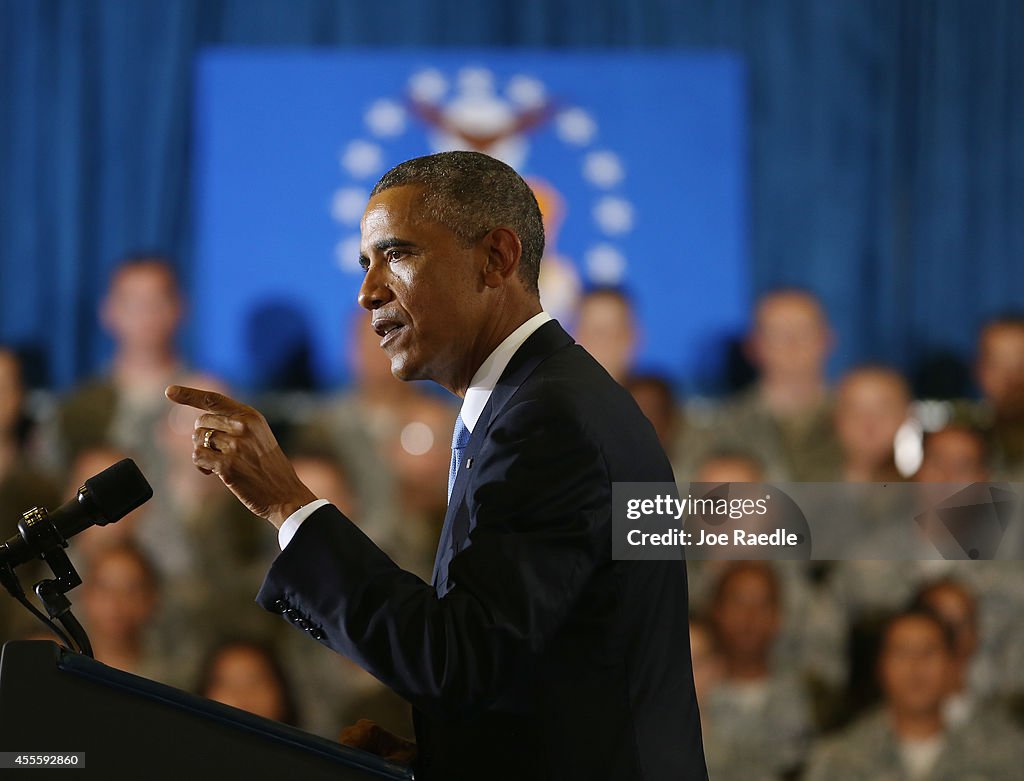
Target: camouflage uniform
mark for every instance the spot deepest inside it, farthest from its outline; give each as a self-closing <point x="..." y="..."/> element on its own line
<point x="801" y="449"/>
<point x="775" y="728"/>
<point x="986" y="748"/>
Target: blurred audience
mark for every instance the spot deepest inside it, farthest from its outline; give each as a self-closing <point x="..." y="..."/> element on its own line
<point x="863" y="586"/>
<point x="654" y="395"/>
<point x="757" y="709"/>
<point x="420" y="456"/>
<point x="326" y="478"/>
<point x="985" y="635"/>
<point x="684" y="442"/>
<point x="786" y="418"/>
<point x="704" y="575"/>
<point x="719" y="466"/>
<point x="872" y="407"/>
<point x="730" y="466"/>
<point x="120" y="598"/>
<point x="358" y="426"/>
<point x="909" y="737"/>
<point x="88" y="462"/>
<point x="706" y="658"/>
<point x="954" y="604"/>
<point x="606" y="328"/>
<point x="872" y="403"/>
<point x="141" y="312"/>
<point x="172" y="530"/>
<point x="248" y="675"/>
<point x="725" y="763"/>
<point x="1000" y="373"/>
<point x="23" y="484"/>
<point x="954" y="454"/>
<point x="125" y="409"/>
<point x="782" y="651"/>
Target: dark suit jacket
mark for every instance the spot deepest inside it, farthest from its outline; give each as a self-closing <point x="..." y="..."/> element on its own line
<point x="534" y="655"/>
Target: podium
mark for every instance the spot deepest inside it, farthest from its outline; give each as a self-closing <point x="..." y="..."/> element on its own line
<point x="53" y="700"/>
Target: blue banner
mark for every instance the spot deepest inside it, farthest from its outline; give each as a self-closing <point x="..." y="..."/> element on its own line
<point x="638" y="161"/>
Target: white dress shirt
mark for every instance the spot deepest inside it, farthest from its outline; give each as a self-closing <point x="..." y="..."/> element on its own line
<point x="480" y="389"/>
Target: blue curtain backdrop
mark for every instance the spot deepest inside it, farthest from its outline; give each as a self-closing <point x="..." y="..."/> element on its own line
<point x="886" y="159"/>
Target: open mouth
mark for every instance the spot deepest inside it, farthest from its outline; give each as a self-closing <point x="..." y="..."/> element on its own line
<point x="387" y="329"/>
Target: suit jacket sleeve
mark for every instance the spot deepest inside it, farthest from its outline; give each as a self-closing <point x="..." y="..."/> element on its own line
<point x="540" y="507"/>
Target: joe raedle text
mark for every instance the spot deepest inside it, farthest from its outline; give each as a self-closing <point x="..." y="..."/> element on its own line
<point x="778" y="538"/>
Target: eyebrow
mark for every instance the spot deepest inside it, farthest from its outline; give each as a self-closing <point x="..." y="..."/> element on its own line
<point x="382" y="245"/>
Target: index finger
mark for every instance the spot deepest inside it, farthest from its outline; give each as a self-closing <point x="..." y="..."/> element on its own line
<point x="207" y="400"/>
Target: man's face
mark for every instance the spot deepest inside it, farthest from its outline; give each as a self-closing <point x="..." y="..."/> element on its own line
<point x="142" y="310"/>
<point x="606" y="330"/>
<point x="915" y="666"/>
<point x="1001" y="367"/>
<point x="424" y="289"/>
<point x="870" y="408"/>
<point x="791" y="338"/>
<point x="953" y="456"/>
<point x="747" y="615"/>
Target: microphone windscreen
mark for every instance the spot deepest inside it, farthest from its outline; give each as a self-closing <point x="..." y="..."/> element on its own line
<point x="118" y="490"/>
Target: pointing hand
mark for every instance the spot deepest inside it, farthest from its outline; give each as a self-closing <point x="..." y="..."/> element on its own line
<point x="233" y="441"/>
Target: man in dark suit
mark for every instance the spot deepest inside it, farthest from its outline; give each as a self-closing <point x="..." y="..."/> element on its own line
<point x="533" y="654"/>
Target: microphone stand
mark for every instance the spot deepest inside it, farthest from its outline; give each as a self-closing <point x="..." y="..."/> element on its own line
<point x="43" y="536"/>
<point x="52" y="594"/>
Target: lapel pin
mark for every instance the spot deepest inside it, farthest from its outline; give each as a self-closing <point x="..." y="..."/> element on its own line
<point x="469" y="463"/>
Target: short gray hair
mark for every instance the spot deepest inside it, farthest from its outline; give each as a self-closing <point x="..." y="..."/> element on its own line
<point x="471" y="193"/>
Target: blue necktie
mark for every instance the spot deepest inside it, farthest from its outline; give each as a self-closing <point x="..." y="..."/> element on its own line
<point x="460" y="438"/>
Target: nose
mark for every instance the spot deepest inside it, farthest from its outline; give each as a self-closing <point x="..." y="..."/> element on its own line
<point x="374" y="292"/>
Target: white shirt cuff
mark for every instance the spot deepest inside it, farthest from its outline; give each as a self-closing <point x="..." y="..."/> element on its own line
<point x="294" y="521"/>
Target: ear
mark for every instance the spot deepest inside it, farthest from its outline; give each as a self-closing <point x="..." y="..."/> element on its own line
<point x="503" y="253"/>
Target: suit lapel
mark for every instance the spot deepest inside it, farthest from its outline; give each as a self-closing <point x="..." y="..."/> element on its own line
<point x="540" y="345"/>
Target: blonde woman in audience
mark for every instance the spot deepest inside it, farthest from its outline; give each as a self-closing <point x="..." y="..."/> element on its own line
<point x="872" y="403"/>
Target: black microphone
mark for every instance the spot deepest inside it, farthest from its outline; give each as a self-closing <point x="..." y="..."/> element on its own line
<point x="105" y="498"/>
